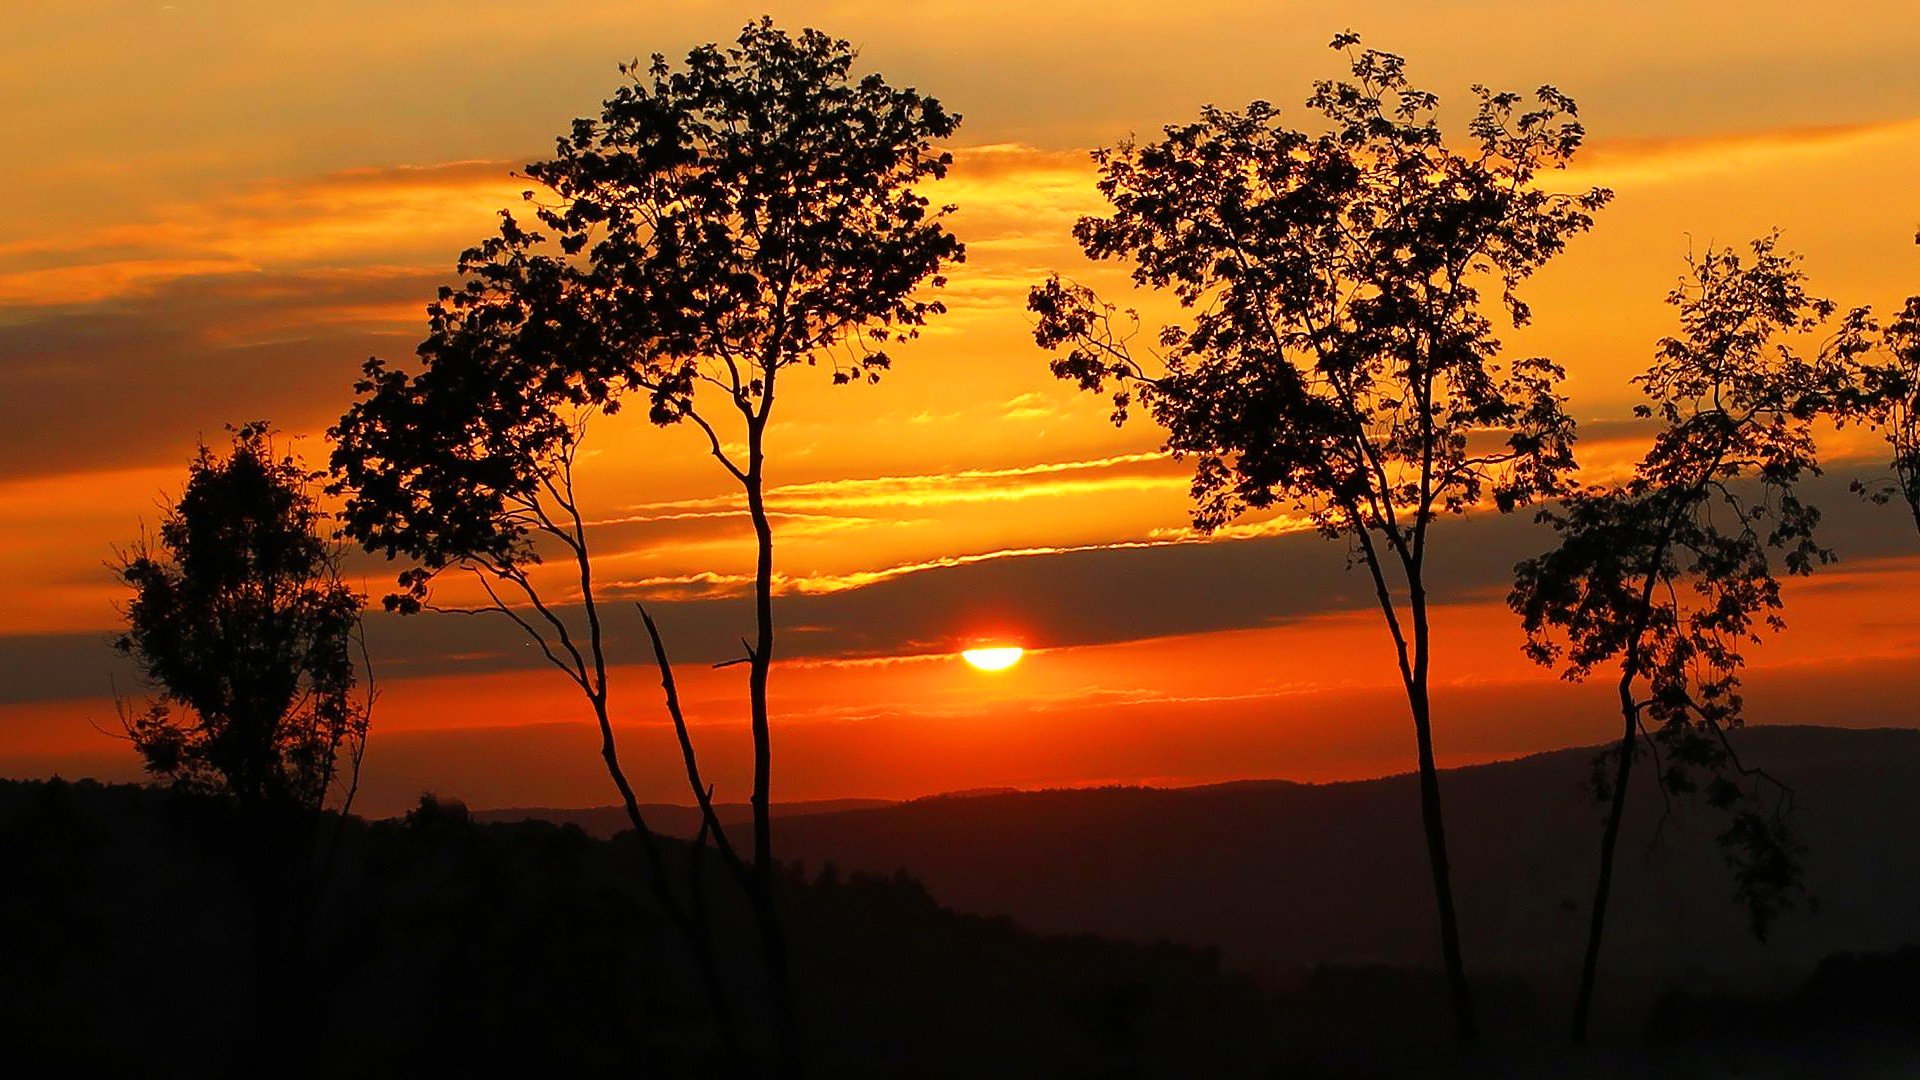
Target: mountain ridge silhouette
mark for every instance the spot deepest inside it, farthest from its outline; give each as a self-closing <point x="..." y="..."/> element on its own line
<point x="1282" y="875"/>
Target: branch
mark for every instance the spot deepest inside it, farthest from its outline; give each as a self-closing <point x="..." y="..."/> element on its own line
<point x="747" y="659"/>
<point x="576" y="671"/>
<point x="702" y="792"/>
<point x="713" y="442"/>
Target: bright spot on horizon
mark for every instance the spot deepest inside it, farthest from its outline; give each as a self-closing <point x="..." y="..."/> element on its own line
<point x="995" y="658"/>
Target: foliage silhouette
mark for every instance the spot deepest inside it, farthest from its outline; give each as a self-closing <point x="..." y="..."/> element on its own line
<point x="1338" y="362"/>
<point x="531" y="949"/>
<point x="1671" y="573"/>
<point x="240" y="618"/>
<point x="491" y="950"/>
<point x="1884" y="395"/>
<point x="754" y="210"/>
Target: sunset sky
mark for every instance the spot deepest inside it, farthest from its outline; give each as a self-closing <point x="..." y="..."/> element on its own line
<point x="216" y="211"/>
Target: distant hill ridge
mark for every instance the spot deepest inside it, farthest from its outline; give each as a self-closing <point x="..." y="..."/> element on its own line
<point x="672" y="819"/>
<point x="1282" y="875"/>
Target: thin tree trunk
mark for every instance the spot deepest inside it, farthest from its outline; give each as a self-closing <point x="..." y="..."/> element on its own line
<point x="1616" y="810"/>
<point x="772" y="936"/>
<point x="709" y="968"/>
<point x="1436" y="831"/>
<point x="1617" y="807"/>
<point x="1413" y="675"/>
<point x="696" y="927"/>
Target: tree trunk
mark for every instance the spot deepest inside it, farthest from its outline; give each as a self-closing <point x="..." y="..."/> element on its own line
<point x="1413" y="674"/>
<point x="1456" y="967"/>
<point x="766" y="913"/>
<point x="1437" y="858"/>
<point x="1617" y="807"/>
<point x="693" y="924"/>
<point x="1583" y="1004"/>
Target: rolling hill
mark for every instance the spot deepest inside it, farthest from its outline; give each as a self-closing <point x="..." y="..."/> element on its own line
<point x="671" y="819"/>
<point x="1283" y="876"/>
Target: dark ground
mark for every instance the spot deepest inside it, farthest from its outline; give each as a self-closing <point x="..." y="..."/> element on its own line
<point x="147" y="934"/>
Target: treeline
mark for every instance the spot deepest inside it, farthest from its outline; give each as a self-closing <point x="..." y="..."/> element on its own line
<point x="448" y="947"/>
<point x="758" y="213"/>
<point x="445" y="947"/>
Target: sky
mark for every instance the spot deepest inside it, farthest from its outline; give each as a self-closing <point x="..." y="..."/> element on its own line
<point x="216" y="211"/>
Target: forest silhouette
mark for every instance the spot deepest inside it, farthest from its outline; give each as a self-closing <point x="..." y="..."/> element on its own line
<point x="758" y="214"/>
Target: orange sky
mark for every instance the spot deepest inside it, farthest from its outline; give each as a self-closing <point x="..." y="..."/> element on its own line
<point x="217" y="210"/>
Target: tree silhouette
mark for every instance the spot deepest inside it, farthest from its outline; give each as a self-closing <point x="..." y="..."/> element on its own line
<point x="1339" y="361"/>
<point x="468" y="466"/>
<point x="752" y="211"/>
<point x="1671" y="574"/>
<point x="240" y="619"/>
<point x="1885" y="396"/>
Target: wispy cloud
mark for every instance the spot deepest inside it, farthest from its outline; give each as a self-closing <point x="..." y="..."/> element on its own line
<point x="1626" y="160"/>
<point x="711" y="585"/>
<point x="424" y="214"/>
<point x="1141" y="471"/>
<point x="413" y="215"/>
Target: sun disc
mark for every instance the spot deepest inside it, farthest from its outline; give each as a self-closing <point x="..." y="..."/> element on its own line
<point x="995" y="658"/>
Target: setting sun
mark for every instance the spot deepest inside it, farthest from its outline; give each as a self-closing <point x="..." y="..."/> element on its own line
<point x="996" y="658"/>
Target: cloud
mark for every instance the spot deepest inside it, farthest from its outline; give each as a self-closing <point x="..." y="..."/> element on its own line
<point x="421" y="215"/>
<point x="1671" y="158"/>
<point x="1052" y="598"/>
<point x="263" y="301"/>
<point x="1045" y="479"/>
<point x="710" y="584"/>
<point x="260" y="302"/>
<point x="134" y="381"/>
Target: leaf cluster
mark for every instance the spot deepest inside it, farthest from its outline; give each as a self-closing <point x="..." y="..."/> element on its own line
<point x="1672" y="574"/>
<point x="1338" y="357"/>
<point x="1885" y="397"/>
<point x="240" y="618"/>
<point x="751" y="209"/>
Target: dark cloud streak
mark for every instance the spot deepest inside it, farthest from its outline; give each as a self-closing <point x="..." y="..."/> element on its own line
<point x="1067" y="599"/>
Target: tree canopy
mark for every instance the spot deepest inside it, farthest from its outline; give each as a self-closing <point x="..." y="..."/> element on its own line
<point x="1884" y="397"/>
<point x="1339" y="359"/>
<point x="239" y="618"/>
<point x="1673" y="573"/>
<point x="752" y="210"/>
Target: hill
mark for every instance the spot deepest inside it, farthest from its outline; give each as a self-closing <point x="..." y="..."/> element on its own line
<point x="144" y="938"/>
<point x="670" y="819"/>
<point x="141" y="938"/>
<point x="1282" y="876"/>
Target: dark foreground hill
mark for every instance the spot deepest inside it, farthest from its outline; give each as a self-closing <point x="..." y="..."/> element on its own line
<point x="141" y="939"/>
<point x="143" y="933"/>
<point x="669" y="818"/>
<point x="1282" y="876"/>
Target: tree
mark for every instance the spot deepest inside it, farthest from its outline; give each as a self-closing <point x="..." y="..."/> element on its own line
<point x="1884" y="396"/>
<point x="1671" y="574"/>
<point x="753" y="211"/>
<point x="240" y="620"/>
<point x="468" y="466"/>
<point x="1339" y="361"/>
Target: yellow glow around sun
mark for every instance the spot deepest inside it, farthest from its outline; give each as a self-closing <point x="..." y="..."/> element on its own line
<point x="997" y="658"/>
